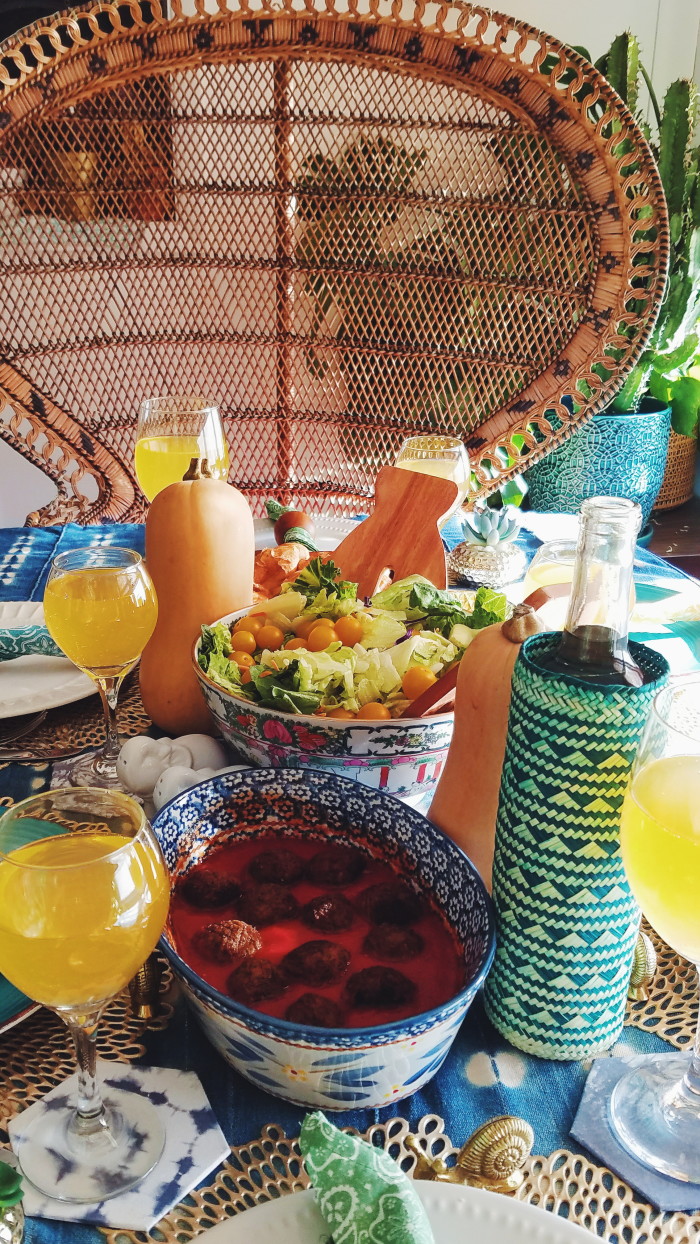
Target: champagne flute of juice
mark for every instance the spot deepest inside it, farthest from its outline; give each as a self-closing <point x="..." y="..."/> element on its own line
<point x="100" y="607"/>
<point x="83" y="899"/>
<point x="444" y="456"/>
<point x="171" y="431"/>
<point x="655" y="1108"/>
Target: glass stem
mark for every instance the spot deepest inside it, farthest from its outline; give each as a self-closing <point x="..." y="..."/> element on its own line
<point x="691" y="1082"/>
<point x="90" y="1114"/>
<point x="109" y="691"/>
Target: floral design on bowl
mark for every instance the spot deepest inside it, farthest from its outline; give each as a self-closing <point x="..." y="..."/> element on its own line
<point x="330" y="1068"/>
<point x="403" y="757"/>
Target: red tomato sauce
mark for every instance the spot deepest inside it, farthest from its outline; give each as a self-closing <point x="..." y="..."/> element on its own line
<point x="438" y="971"/>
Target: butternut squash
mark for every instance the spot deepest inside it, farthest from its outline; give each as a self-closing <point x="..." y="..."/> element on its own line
<point x="200" y="549"/>
<point x="466" y="800"/>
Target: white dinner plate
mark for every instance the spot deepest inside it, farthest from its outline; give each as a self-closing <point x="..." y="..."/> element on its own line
<point x="328" y="532"/>
<point x="456" y="1215"/>
<point x="32" y="684"/>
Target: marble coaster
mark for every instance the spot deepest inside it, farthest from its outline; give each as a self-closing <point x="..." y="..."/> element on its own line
<point x="194" y="1146"/>
<point x="592" y="1128"/>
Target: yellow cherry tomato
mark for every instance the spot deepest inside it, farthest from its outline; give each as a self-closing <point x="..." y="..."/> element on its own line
<point x="349" y="630"/>
<point x="373" y="712"/>
<point x="270" y="637"/>
<point x="416" y="680"/>
<point x="343" y="713"/>
<point x="320" y="638"/>
<point x="245" y="641"/>
<point x="303" y="625"/>
<point x="295" y="643"/>
<point x="251" y="623"/>
<point x="321" y="622"/>
<point x="243" y="659"/>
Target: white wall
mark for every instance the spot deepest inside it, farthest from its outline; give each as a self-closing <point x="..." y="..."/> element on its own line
<point x="669" y="32"/>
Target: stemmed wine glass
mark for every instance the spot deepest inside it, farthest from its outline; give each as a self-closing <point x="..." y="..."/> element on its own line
<point x="443" y="456"/>
<point x="171" y="431"/>
<point x="83" y="900"/>
<point x="100" y="607"/>
<point x="655" y="1107"/>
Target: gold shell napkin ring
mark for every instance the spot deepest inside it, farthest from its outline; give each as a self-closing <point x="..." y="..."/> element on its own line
<point x="491" y="1158"/>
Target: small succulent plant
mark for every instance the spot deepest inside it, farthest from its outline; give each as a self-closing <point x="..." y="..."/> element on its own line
<point x="490" y="528"/>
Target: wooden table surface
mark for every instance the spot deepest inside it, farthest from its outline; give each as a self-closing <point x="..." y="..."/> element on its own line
<point x="677" y="535"/>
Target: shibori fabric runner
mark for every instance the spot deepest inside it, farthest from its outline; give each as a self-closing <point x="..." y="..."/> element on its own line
<point x="26" y="553"/>
<point x="567" y="922"/>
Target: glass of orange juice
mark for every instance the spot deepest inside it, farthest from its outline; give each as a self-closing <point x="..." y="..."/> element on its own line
<point x="100" y="608"/>
<point x="444" y="456"/>
<point x="83" y="900"/>
<point x="655" y="1108"/>
<point x="171" y="431"/>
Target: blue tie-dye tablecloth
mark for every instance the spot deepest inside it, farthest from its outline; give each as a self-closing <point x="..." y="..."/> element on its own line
<point x="483" y="1076"/>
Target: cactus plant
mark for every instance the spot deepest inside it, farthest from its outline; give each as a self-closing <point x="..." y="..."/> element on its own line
<point x="667" y="368"/>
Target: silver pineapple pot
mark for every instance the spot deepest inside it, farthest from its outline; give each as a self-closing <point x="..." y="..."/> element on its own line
<point x="488" y="557"/>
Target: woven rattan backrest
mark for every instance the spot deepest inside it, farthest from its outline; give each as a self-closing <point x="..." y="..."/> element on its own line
<point x="343" y="222"/>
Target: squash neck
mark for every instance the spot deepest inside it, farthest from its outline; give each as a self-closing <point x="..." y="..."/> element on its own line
<point x="198" y="469"/>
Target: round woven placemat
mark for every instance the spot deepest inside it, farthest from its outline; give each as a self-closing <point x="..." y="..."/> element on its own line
<point x="77" y="727"/>
<point x="37" y="1055"/>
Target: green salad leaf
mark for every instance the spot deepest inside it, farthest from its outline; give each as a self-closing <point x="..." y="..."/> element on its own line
<point x="441" y="610"/>
<point x="282" y="689"/>
<point x="489" y="607"/>
<point x="320" y="575"/>
<point x="397" y="596"/>
<point x="214" y="658"/>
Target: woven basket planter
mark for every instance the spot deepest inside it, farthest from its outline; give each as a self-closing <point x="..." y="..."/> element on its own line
<point x="679" y="478"/>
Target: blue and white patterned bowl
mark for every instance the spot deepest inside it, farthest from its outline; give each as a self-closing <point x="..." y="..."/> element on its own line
<point x="329" y="1068"/>
<point x="403" y="756"/>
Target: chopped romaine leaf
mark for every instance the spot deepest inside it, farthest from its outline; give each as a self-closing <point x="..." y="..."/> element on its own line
<point x="381" y="631"/>
<point x="396" y="597"/>
<point x="327" y="604"/>
<point x="281" y="689"/>
<point x="489" y="607"/>
<point x="289" y="603"/>
<point x="321" y="574"/>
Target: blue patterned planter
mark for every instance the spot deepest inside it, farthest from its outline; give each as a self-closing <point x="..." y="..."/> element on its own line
<point x="613" y="455"/>
<point x="330" y="1068"/>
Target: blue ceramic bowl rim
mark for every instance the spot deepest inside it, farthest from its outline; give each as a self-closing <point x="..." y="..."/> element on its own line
<point x="331" y="725"/>
<point x="337" y="1034"/>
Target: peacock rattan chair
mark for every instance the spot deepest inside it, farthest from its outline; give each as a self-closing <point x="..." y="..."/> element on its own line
<point x="345" y="222"/>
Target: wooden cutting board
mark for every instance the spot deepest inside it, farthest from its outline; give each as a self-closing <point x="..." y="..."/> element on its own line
<point x="401" y="535"/>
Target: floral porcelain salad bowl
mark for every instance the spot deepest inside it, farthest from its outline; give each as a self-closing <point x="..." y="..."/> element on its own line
<point x="338" y="707"/>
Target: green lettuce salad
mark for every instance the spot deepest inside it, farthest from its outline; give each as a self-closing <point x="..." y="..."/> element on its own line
<point x="408" y="626"/>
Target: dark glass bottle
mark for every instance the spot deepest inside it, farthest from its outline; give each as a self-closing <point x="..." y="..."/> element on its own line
<point x="593" y="644"/>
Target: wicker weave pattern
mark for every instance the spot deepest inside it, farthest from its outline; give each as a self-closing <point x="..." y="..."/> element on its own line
<point x="345" y="223"/>
<point x="679" y="480"/>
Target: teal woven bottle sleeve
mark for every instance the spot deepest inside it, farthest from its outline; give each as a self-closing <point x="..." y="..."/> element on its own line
<point x="566" y="919"/>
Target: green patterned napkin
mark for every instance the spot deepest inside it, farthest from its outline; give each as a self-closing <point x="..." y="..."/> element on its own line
<point x="363" y="1195"/>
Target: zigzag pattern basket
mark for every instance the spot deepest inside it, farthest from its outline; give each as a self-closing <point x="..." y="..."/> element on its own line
<point x="567" y="922"/>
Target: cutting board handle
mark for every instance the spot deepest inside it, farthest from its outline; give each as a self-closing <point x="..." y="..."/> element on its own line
<point x="401" y="535"/>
